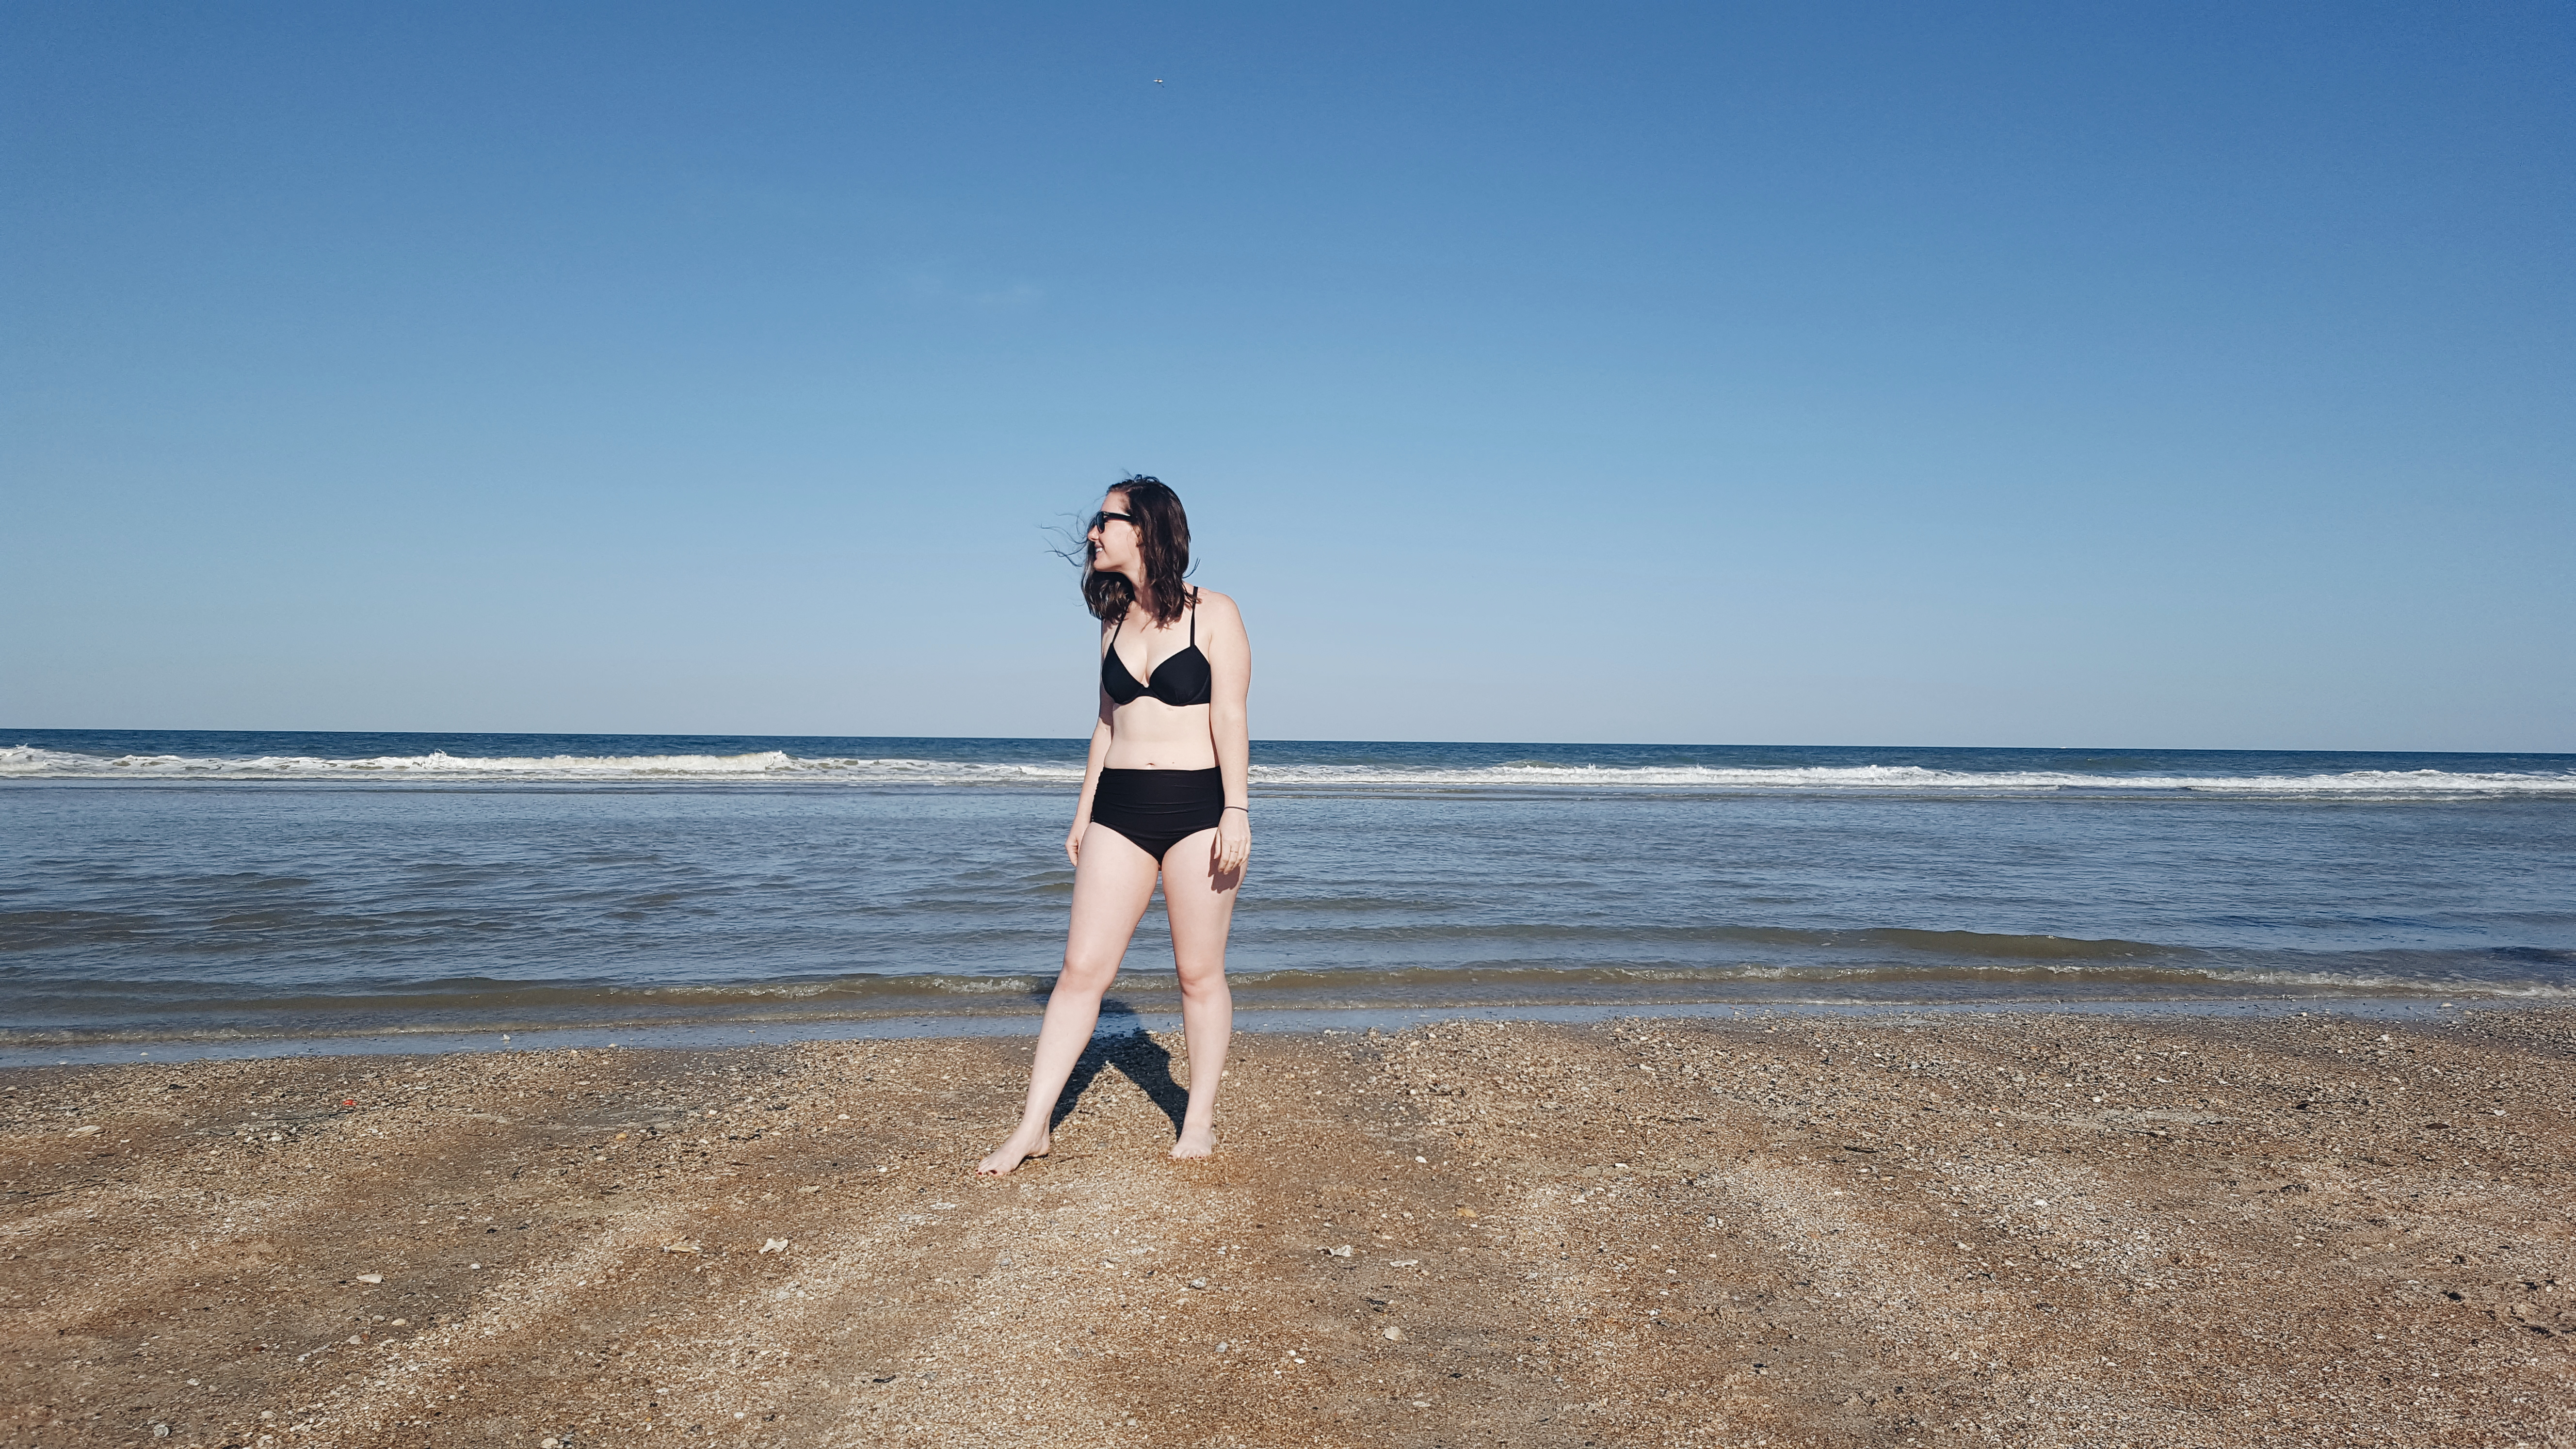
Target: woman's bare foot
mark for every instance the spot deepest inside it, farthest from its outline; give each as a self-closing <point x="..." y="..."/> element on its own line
<point x="1198" y="1139"/>
<point x="1016" y="1149"/>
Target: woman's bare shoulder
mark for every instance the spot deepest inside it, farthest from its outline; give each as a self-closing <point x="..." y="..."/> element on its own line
<point x="1218" y="605"/>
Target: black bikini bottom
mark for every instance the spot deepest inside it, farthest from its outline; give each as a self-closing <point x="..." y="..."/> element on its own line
<point x="1158" y="809"/>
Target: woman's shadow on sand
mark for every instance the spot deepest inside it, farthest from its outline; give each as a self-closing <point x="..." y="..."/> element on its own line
<point x="1120" y="1041"/>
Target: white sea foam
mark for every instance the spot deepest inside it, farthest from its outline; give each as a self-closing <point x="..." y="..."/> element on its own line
<point x="28" y="762"/>
<point x="1911" y="779"/>
<point x="776" y="766"/>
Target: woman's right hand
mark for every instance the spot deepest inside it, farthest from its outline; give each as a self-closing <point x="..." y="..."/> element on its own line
<point x="1073" y="842"/>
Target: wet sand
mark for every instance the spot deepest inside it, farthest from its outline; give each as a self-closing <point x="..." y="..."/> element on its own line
<point x="2025" y="1230"/>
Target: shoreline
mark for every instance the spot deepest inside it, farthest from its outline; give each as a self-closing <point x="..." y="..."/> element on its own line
<point x="72" y="1048"/>
<point x="1817" y="1228"/>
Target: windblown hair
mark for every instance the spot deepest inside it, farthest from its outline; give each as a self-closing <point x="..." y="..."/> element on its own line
<point x="1165" y="531"/>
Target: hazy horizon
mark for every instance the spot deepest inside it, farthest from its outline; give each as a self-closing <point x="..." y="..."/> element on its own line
<point x="10" y="735"/>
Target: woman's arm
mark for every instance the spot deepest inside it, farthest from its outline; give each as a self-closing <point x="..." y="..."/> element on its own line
<point x="1100" y="737"/>
<point x="1229" y="654"/>
<point x="1101" y="734"/>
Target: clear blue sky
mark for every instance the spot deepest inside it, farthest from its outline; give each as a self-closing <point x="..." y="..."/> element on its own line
<point x="2182" y="375"/>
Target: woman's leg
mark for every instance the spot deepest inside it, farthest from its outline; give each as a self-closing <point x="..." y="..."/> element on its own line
<point x="1201" y="905"/>
<point x="1111" y="888"/>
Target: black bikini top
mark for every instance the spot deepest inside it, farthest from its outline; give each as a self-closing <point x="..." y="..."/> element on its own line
<point x="1181" y="680"/>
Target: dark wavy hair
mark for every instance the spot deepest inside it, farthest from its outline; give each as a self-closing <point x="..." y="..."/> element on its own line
<point x="1165" y="531"/>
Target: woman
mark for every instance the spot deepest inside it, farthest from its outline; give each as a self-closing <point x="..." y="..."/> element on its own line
<point x="1164" y="792"/>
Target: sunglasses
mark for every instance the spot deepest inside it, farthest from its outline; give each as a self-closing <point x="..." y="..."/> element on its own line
<point x="1104" y="516"/>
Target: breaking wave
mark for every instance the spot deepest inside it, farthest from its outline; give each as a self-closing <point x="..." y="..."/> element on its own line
<point x="778" y="767"/>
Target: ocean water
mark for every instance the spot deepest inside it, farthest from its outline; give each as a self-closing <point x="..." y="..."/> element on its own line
<point x="250" y="887"/>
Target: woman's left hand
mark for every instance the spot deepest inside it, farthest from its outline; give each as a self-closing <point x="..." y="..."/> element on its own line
<point x="1233" y="841"/>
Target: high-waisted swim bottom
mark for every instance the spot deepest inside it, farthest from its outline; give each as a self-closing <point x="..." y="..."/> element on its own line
<point x="1158" y="809"/>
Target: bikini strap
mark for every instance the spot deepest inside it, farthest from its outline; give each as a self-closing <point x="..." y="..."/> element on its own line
<point x="1194" y="618"/>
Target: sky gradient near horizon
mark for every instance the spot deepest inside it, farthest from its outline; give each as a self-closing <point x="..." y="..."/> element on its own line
<point x="2185" y="376"/>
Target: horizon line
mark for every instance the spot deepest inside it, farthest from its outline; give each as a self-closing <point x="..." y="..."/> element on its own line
<point x="6" y="730"/>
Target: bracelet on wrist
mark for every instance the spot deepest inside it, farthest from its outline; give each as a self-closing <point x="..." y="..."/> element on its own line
<point x="1244" y="808"/>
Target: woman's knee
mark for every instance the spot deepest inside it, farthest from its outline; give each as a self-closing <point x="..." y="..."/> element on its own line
<point x="1202" y="980"/>
<point x="1086" y="977"/>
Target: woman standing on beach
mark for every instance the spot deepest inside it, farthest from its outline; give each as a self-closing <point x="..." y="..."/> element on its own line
<point x="1164" y="792"/>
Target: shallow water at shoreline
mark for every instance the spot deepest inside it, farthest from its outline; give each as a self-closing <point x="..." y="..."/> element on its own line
<point x="1120" y="1018"/>
<point x="205" y="895"/>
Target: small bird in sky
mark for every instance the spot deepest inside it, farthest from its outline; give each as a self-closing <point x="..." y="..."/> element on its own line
<point x="1158" y="80"/>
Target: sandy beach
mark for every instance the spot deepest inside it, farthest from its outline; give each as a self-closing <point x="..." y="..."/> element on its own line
<point x="1952" y="1228"/>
